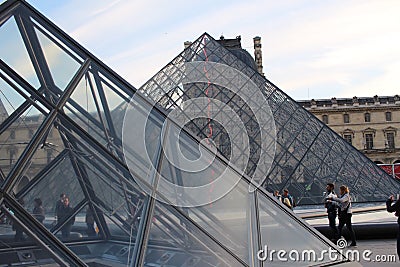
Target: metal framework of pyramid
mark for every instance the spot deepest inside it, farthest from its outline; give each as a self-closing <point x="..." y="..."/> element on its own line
<point x="296" y="151"/>
<point x="63" y="131"/>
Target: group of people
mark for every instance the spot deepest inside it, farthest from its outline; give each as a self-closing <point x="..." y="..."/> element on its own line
<point x="285" y="198"/>
<point x="339" y="206"/>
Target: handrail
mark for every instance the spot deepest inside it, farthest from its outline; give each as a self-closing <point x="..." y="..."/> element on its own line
<point x="354" y="211"/>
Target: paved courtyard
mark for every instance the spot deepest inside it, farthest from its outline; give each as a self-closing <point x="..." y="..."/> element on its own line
<point x="383" y="252"/>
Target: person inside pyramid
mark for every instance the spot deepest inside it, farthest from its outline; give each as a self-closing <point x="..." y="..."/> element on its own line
<point x="38" y="210"/>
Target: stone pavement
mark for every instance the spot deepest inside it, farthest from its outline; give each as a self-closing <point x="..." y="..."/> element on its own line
<point x="383" y="252"/>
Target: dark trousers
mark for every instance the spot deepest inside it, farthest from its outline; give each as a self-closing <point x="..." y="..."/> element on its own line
<point x="346" y="220"/>
<point x="332" y="225"/>
<point x="66" y="230"/>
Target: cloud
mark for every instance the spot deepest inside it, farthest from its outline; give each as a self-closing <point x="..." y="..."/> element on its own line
<point x="327" y="47"/>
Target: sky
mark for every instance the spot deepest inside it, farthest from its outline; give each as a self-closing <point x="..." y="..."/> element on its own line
<point x="311" y="49"/>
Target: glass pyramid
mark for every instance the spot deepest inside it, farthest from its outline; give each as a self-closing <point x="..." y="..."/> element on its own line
<point x="94" y="173"/>
<point x="217" y="93"/>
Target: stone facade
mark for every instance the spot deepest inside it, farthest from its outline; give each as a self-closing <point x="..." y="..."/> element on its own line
<point x="370" y="124"/>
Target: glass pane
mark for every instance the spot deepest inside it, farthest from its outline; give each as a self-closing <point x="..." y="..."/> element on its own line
<point x="141" y="139"/>
<point x="58" y="178"/>
<point x="17" y="136"/>
<point x="212" y="193"/>
<point x="175" y="241"/>
<point x="81" y="107"/>
<point x="62" y="66"/>
<point x="10" y="100"/>
<point x="281" y="231"/>
<point x="50" y="147"/>
<point x="19" y="247"/>
<point x="13" y="52"/>
<point x="121" y="202"/>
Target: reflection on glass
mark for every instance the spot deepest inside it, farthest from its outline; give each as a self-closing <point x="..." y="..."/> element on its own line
<point x="14" y="53"/>
<point x="59" y="179"/>
<point x="281" y="232"/>
<point x="174" y="241"/>
<point x="62" y="66"/>
<point x="16" y="137"/>
<point x="10" y="100"/>
<point x="191" y="175"/>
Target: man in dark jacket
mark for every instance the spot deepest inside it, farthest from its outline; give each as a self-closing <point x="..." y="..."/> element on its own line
<point x="395" y="208"/>
<point x="331" y="209"/>
<point x="59" y="205"/>
<point x="65" y="212"/>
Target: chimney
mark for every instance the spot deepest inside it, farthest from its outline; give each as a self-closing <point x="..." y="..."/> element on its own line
<point x="258" y="54"/>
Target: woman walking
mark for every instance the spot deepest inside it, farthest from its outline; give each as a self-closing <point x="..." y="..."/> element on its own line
<point x="345" y="213"/>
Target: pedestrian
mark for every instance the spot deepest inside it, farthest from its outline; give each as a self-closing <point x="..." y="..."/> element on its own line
<point x="277" y="195"/>
<point x="89" y="219"/>
<point x="331" y="209"/>
<point x="38" y="210"/>
<point x="395" y="208"/>
<point x="19" y="231"/>
<point x="66" y="211"/>
<point x="345" y="213"/>
<point x="59" y="205"/>
<point x="287" y="199"/>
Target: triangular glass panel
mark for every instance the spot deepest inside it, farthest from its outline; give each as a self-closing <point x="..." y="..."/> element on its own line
<point x="59" y="177"/>
<point x="177" y="241"/>
<point x="60" y="61"/>
<point x="50" y="146"/>
<point x="121" y="201"/>
<point x="85" y="108"/>
<point x="211" y="192"/>
<point x="21" y="244"/>
<point x="10" y="101"/>
<point x="280" y="231"/>
<point x="14" y="53"/>
<point x="17" y="136"/>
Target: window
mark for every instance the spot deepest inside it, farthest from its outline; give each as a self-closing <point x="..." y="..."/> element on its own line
<point x="13" y="153"/>
<point x="325" y="119"/>
<point x="346" y="118"/>
<point x="30" y="133"/>
<point x="388" y="116"/>
<point x="49" y="155"/>
<point x="369" y="141"/>
<point x="367" y="117"/>
<point x="348" y="138"/>
<point x="390" y="140"/>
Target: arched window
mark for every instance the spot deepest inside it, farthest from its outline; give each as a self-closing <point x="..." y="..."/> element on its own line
<point x="367" y="117"/>
<point x="325" y="119"/>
